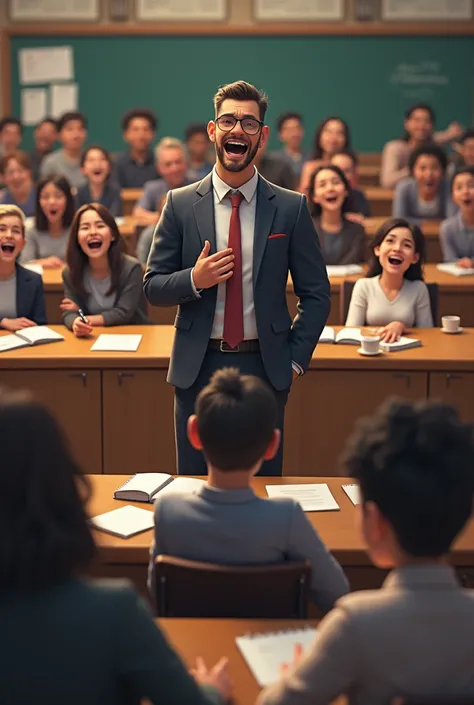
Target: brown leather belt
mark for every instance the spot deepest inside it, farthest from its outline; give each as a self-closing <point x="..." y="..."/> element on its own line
<point x="246" y="346"/>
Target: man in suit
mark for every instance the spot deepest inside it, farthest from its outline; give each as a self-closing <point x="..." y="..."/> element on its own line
<point x="222" y="251"/>
<point x="224" y="521"/>
<point x="413" y="638"/>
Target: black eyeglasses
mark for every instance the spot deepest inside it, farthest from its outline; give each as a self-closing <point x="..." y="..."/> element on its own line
<point x="251" y="126"/>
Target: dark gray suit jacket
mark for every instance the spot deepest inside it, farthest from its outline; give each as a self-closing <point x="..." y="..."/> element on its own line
<point x="29" y="296"/>
<point x="186" y="222"/>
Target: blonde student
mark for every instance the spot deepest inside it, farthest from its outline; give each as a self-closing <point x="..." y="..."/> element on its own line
<point x="46" y="240"/>
<point x="411" y="640"/>
<point x="100" y="279"/>
<point x="342" y="241"/>
<point x="393" y="297"/>
<point x="456" y="234"/>
<point x="21" y="291"/>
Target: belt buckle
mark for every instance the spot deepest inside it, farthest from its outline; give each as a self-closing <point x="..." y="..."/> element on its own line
<point x="225" y="347"/>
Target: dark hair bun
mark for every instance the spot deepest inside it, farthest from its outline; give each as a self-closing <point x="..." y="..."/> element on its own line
<point x="228" y="382"/>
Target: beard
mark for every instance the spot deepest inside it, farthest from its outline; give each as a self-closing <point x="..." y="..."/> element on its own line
<point x="230" y="165"/>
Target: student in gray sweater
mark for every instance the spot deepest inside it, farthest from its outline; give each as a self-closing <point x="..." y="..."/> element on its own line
<point x="100" y="279"/>
<point x="225" y="522"/>
<point x="425" y="194"/>
<point x="342" y="241"/>
<point x="393" y="297"/>
<point x="456" y="234"/>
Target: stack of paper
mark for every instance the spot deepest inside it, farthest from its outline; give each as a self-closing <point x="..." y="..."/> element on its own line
<point x="124" y="522"/>
<point x="452" y="268"/>
<point x="402" y="343"/>
<point x="313" y="498"/>
<point x="266" y="653"/>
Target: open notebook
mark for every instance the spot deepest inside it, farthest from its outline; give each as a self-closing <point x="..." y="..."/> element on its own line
<point x="144" y="486"/>
<point x="452" y="268"/>
<point x="312" y="497"/>
<point x="265" y="653"/>
<point x="346" y="336"/>
<point x="36" y="335"/>
<point x="124" y="522"/>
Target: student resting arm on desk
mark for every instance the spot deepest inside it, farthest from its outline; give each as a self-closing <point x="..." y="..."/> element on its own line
<point x="93" y="642"/>
<point x="21" y="291"/>
<point x="412" y="639"/>
<point x="393" y="296"/>
<point x="225" y="522"/>
<point x="46" y="241"/>
<point x="424" y="195"/>
<point x="100" y="279"/>
<point x="456" y="234"/>
<point x="342" y="241"/>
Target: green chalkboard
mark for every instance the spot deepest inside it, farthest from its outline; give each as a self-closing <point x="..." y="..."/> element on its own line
<point x="367" y="80"/>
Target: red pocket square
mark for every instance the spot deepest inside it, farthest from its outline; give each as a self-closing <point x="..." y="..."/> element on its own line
<point x="275" y="235"/>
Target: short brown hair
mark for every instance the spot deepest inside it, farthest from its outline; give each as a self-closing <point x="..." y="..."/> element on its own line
<point x="241" y="90"/>
<point x="236" y="417"/>
<point x="21" y="157"/>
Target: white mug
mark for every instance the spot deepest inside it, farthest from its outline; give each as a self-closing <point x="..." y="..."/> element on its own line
<point x="451" y="323"/>
<point x="370" y="343"/>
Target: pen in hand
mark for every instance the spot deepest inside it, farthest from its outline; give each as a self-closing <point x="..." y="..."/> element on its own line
<point x="82" y="316"/>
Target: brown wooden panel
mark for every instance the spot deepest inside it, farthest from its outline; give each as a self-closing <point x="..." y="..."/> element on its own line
<point x="138" y="422"/>
<point x="324" y="406"/>
<point x="74" y="397"/>
<point x="458" y="302"/>
<point x="455" y="388"/>
<point x="52" y="300"/>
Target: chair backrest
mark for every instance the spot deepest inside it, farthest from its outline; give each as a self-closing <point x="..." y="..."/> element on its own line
<point x="347" y="287"/>
<point x="193" y="589"/>
<point x="435" y="700"/>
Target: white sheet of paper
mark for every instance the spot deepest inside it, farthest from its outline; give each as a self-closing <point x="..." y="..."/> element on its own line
<point x="120" y="343"/>
<point x="452" y="268"/>
<point x="343" y="270"/>
<point x="126" y="521"/>
<point x="33" y="267"/>
<point x="353" y="492"/>
<point x="46" y="64"/>
<point x="313" y="498"/>
<point x="10" y="342"/>
<point x="33" y="105"/>
<point x="63" y="98"/>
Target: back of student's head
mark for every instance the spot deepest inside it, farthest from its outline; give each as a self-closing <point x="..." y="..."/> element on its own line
<point x="236" y="417"/>
<point x="45" y="539"/>
<point x="416" y="463"/>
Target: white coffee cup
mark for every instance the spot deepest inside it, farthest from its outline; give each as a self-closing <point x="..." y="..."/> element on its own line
<point x="451" y="323"/>
<point x="370" y="344"/>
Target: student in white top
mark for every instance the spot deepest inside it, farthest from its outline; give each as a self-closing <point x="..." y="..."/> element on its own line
<point x="393" y="296"/>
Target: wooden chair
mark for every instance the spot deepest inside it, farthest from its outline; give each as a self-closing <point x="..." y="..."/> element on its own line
<point x="193" y="589"/>
<point x="347" y="288"/>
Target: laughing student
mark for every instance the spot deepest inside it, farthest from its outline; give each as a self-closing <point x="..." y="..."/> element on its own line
<point x="21" y="291"/>
<point x="96" y="165"/>
<point x="456" y="234"/>
<point x="100" y="279"/>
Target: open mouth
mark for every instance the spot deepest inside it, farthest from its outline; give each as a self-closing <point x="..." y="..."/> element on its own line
<point x="53" y="212"/>
<point x="429" y="183"/>
<point x="332" y="198"/>
<point x="8" y="248"/>
<point x="97" y="172"/>
<point x="396" y="261"/>
<point x="94" y="244"/>
<point x="467" y="202"/>
<point x="236" y="148"/>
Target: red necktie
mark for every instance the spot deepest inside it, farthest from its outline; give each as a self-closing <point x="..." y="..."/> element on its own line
<point x="234" y="311"/>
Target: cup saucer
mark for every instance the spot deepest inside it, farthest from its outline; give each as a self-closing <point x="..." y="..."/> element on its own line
<point x="452" y="332"/>
<point x="361" y="351"/>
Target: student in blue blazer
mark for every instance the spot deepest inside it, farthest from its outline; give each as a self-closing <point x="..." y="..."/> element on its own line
<point x="21" y="290"/>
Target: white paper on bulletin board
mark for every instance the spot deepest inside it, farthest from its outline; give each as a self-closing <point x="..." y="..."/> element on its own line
<point x="33" y="105"/>
<point x="45" y="10"/>
<point x="197" y="10"/>
<point x="295" y="10"/>
<point x="426" y="9"/>
<point x="64" y="97"/>
<point x="45" y="64"/>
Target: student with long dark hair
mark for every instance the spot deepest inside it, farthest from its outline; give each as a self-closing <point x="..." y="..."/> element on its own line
<point x="332" y="135"/>
<point x="96" y="166"/>
<point x="92" y="643"/>
<point x="342" y="241"/>
<point x="46" y="241"/>
<point x="418" y="129"/>
<point x="393" y="296"/>
<point x="100" y="279"/>
<point x="425" y="195"/>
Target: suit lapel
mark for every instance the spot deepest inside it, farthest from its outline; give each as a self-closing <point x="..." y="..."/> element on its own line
<point x="264" y="216"/>
<point x="22" y="291"/>
<point x="204" y="213"/>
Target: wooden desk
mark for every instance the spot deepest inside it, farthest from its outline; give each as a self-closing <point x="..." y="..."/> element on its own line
<point x="122" y="404"/>
<point x="369" y="175"/>
<point x="186" y="635"/>
<point x="430" y="230"/>
<point x="380" y="200"/>
<point x="129" y="557"/>
<point x="129" y="198"/>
